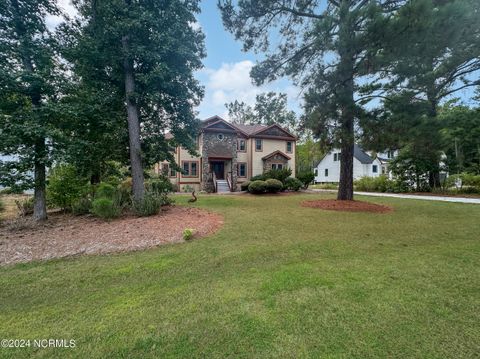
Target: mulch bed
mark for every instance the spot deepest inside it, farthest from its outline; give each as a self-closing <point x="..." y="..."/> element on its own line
<point x="67" y="235"/>
<point x="347" y="206"/>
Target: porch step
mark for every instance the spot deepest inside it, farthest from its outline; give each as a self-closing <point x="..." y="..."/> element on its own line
<point x="222" y="186"/>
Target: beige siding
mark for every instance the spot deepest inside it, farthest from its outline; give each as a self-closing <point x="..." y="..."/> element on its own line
<point x="268" y="147"/>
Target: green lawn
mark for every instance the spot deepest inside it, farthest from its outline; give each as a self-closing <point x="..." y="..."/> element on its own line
<point x="278" y="280"/>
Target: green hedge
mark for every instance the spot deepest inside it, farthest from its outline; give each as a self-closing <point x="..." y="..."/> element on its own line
<point x="380" y="184"/>
<point x="292" y="184"/>
<point x="105" y="208"/>
<point x="257" y="187"/>
<point x="273" y="185"/>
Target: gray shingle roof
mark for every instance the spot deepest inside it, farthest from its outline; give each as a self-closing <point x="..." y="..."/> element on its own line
<point x="249" y="129"/>
<point x="361" y="155"/>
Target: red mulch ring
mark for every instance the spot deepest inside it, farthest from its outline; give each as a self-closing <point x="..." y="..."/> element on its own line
<point x="67" y="235"/>
<point x="347" y="206"/>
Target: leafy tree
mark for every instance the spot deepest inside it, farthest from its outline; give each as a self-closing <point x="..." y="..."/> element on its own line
<point x="29" y="81"/>
<point x="461" y="137"/>
<point x="326" y="47"/>
<point x="65" y="186"/>
<point x="307" y="153"/>
<point x="437" y="54"/>
<point x="269" y="108"/>
<point x="148" y="52"/>
<point x="240" y="112"/>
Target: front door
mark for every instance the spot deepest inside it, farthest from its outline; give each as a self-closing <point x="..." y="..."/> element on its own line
<point x="218" y="167"/>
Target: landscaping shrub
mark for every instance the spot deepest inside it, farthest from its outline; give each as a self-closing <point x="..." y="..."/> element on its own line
<point x="65" y="186"/>
<point x="292" y="184"/>
<point x="257" y="187"/>
<point x="105" y="190"/>
<point x="188" y="233"/>
<point x="244" y="185"/>
<point x="159" y="184"/>
<point x="149" y="206"/>
<point x="261" y="177"/>
<point x="82" y="206"/>
<point x="105" y="208"/>
<point x="280" y="175"/>
<point x="380" y="184"/>
<point x="273" y="185"/>
<point x="306" y="178"/>
<point x="469" y="183"/>
<point x="11" y="190"/>
<point x="25" y="206"/>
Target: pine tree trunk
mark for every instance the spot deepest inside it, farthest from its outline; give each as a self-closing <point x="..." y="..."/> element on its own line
<point x="39" y="197"/>
<point x="346" y="102"/>
<point x="39" y="194"/>
<point x="133" y="125"/>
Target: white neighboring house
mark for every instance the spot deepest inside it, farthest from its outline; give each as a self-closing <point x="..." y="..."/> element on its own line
<point x="364" y="165"/>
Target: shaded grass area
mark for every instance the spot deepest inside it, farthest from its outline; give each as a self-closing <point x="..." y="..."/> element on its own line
<point x="278" y="280"/>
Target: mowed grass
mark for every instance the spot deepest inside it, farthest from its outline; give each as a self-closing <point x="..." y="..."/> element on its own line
<point x="277" y="281"/>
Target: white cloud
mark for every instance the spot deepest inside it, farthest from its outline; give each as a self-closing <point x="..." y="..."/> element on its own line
<point x="67" y="8"/>
<point x="232" y="82"/>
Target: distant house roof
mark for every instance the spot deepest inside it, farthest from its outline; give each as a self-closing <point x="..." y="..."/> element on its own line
<point x="358" y="153"/>
<point x="361" y="155"/>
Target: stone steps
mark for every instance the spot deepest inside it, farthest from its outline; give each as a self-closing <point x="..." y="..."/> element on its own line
<point x="222" y="186"/>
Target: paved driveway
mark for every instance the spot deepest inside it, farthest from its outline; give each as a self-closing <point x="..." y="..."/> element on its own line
<point x="413" y="196"/>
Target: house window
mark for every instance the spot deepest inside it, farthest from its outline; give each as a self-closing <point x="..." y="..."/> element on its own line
<point x="258" y="144"/>
<point x="190" y="169"/>
<point x="277" y="166"/>
<point x="336" y="156"/>
<point x="375" y="169"/>
<point x="390" y="154"/>
<point x="242" y="145"/>
<point x="316" y="172"/>
<point x="289" y="146"/>
<point x="326" y="172"/>
<point x="220" y="136"/>
<point x="173" y="173"/>
<point x="242" y="169"/>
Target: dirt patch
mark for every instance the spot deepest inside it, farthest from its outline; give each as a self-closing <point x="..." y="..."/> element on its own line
<point x="347" y="206"/>
<point x="67" y="235"/>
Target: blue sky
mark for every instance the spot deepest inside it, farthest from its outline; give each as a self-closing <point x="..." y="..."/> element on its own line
<point x="226" y="73"/>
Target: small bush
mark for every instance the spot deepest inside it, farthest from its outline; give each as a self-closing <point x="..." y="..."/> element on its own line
<point x="244" y="185"/>
<point x="159" y="184"/>
<point x="2" y="205"/>
<point x="273" y="185"/>
<point x="25" y="207"/>
<point x="306" y="178"/>
<point x="280" y="175"/>
<point x="188" y="233"/>
<point x="105" y="190"/>
<point x="11" y="190"/>
<point x="149" y="205"/>
<point x="292" y="184"/>
<point x="105" y="208"/>
<point x="65" y="186"/>
<point x="257" y="187"/>
<point x="82" y="206"/>
<point x="258" y="178"/>
<point x="380" y="184"/>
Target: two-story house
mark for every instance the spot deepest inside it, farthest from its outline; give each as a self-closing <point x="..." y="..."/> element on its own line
<point x="231" y="154"/>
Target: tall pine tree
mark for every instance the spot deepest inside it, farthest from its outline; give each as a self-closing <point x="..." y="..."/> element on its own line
<point x="28" y="93"/>
<point x="148" y="50"/>
<point x="325" y="47"/>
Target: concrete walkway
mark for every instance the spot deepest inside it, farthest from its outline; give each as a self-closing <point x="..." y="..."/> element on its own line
<point x="411" y="196"/>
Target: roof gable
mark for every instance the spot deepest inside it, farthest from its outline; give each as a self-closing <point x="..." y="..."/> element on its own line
<point x="274" y="131"/>
<point x="220" y="125"/>
<point x="276" y="153"/>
